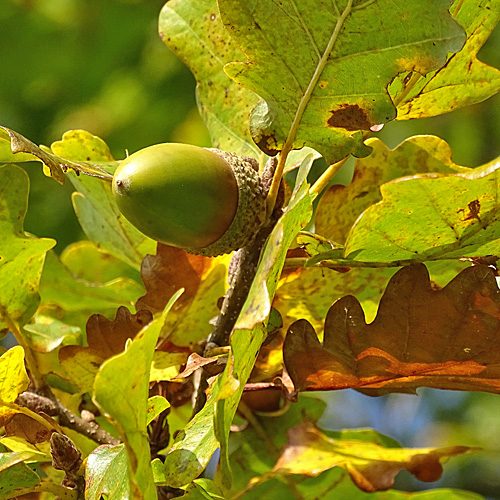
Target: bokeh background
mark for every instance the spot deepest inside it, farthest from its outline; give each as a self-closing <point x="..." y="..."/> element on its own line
<point x="99" y="65"/>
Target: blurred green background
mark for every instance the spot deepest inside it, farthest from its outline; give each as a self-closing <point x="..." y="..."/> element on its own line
<point x="99" y="65"/>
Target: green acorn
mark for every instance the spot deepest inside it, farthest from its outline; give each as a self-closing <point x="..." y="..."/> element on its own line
<point x="206" y="201"/>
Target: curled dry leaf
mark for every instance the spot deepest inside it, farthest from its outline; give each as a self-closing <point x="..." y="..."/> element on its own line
<point x="445" y="339"/>
<point x="371" y="465"/>
<point x="196" y="361"/>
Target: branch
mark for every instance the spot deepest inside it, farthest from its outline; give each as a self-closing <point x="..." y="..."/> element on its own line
<point x="52" y="407"/>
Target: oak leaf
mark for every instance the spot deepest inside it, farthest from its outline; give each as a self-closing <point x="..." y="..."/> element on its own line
<point x="203" y="281"/>
<point x="168" y="271"/>
<point x="371" y="465"/>
<point x="105" y="339"/>
<point x="446" y="339"/>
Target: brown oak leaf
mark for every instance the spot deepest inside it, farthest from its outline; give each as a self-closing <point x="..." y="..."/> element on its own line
<point x="422" y="336"/>
<point x="168" y="271"/>
<point x="28" y="429"/>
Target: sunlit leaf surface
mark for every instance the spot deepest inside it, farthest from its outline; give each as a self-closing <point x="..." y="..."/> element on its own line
<point x="13" y="381"/>
<point x="429" y="217"/>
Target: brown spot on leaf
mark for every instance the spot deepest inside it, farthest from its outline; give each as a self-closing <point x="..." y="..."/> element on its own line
<point x="474" y="208"/>
<point x="350" y="117"/>
<point x="473" y="213"/>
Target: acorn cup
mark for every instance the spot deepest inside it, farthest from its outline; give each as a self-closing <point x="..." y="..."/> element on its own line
<point x="205" y="201"/>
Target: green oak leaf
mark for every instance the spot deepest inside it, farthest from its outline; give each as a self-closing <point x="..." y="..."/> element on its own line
<point x="464" y="80"/>
<point x="15" y="474"/>
<point x="121" y="390"/>
<point x="59" y="287"/>
<point x="95" y="208"/>
<point x="90" y="263"/>
<point x="81" y="368"/>
<point x="340" y="206"/>
<point x="429" y="217"/>
<point x="257" y="308"/>
<point x="194" y="447"/>
<point x="21" y="256"/>
<point x="297" y="214"/>
<point x="323" y="69"/>
<point x="107" y="473"/>
<point x="46" y="334"/>
<point x="194" y="31"/>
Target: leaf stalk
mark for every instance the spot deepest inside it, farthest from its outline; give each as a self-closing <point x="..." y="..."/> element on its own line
<point x="327" y="176"/>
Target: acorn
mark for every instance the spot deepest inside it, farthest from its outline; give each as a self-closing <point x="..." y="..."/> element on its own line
<point x="205" y="201"/>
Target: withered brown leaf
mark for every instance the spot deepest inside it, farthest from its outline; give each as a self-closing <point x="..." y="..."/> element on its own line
<point x="168" y="271"/>
<point x="446" y="339"/>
